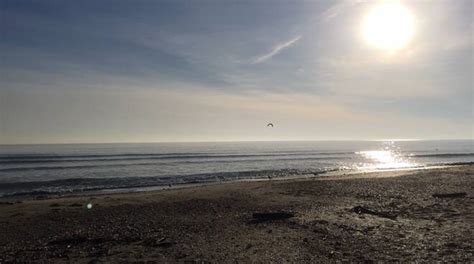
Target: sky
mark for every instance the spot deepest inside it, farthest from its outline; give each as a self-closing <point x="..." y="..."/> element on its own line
<point x="158" y="71"/>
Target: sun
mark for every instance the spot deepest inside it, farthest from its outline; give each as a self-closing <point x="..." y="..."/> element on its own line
<point x="388" y="26"/>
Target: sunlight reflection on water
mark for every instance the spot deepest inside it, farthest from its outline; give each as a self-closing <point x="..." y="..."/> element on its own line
<point x="388" y="158"/>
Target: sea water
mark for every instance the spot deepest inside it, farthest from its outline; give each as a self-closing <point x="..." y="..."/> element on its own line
<point x="68" y="168"/>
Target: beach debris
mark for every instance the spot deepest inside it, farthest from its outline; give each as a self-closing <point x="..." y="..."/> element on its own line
<point x="54" y="205"/>
<point x="7" y="203"/>
<point x="450" y="195"/>
<point x="275" y="216"/>
<point x="270" y="125"/>
<point x="157" y="242"/>
<point x="321" y="222"/>
<point x="89" y="206"/>
<point x="363" y="210"/>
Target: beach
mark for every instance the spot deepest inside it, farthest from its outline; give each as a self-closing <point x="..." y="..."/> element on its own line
<point x="413" y="215"/>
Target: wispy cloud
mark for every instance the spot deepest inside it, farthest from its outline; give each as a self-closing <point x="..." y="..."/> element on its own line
<point x="339" y="8"/>
<point x="277" y="49"/>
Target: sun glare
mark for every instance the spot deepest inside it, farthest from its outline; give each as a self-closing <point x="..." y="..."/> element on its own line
<point x="384" y="159"/>
<point x="388" y="26"/>
<point x="389" y="157"/>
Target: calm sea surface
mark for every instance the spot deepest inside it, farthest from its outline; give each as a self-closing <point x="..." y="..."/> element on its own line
<point x="38" y="169"/>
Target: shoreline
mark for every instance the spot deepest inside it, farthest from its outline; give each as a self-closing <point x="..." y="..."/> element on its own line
<point x="328" y="175"/>
<point x="417" y="216"/>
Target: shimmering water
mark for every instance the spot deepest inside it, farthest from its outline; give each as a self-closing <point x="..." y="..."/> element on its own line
<point x="34" y="169"/>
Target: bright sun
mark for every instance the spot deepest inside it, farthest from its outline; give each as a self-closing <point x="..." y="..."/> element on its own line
<point x="388" y="26"/>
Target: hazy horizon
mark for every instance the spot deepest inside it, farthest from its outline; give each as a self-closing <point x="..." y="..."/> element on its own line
<point x="208" y="71"/>
<point x="241" y="141"/>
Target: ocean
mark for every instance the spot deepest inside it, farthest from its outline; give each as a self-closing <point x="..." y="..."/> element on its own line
<point x="71" y="168"/>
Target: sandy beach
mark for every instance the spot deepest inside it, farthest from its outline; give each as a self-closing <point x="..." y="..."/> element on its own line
<point x="420" y="216"/>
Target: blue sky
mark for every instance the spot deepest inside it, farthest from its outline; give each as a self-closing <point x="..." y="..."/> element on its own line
<point x="134" y="71"/>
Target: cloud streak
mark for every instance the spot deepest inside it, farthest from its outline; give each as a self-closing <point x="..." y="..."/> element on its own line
<point x="338" y="9"/>
<point x="276" y="50"/>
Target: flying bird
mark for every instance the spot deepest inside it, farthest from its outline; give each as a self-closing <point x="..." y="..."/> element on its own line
<point x="270" y="124"/>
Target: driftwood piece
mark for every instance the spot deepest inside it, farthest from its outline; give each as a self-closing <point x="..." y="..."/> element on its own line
<point x="363" y="210"/>
<point x="275" y="216"/>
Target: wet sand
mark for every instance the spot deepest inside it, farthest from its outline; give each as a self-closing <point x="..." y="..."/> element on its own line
<point x="423" y="216"/>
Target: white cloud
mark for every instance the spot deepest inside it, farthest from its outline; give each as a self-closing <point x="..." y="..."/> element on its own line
<point x="277" y="49"/>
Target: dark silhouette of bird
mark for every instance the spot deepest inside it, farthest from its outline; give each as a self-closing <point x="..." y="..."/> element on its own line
<point x="270" y="125"/>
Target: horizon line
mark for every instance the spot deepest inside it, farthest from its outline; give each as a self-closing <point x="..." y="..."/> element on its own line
<point x="229" y="141"/>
